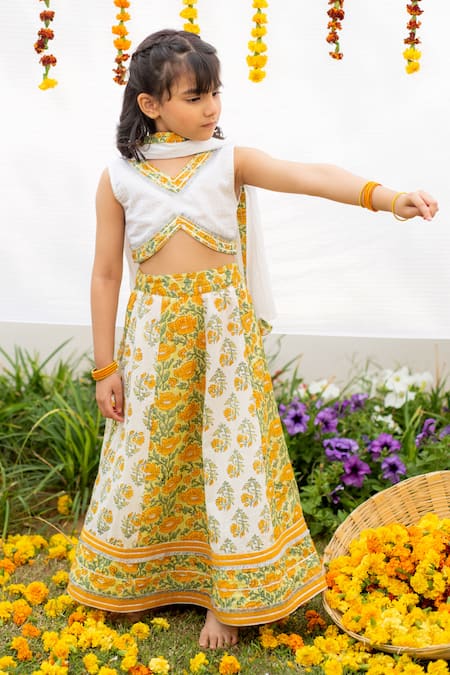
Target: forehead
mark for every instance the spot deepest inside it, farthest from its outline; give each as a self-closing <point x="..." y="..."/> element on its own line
<point x="185" y="82"/>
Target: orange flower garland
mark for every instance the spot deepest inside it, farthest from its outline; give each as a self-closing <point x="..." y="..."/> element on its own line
<point x="190" y="14"/>
<point x="336" y="14"/>
<point x="44" y="35"/>
<point x="257" y="59"/>
<point x="411" y="54"/>
<point x="121" y="43"/>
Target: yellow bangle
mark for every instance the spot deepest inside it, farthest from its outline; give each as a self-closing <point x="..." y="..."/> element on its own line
<point x="393" y="206"/>
<point x="101" y="373"/>
<point x="365" y="196"/>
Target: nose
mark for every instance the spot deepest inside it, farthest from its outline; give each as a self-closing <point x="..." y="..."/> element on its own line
<point x="212" y="106"/>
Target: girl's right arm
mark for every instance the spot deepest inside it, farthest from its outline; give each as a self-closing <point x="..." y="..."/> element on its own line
<point x="105" y="286"/>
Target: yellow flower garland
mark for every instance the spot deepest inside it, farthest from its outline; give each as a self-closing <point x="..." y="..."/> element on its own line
<point x="411" y="53"/>
<point x="121" y="42"/>
<point x="41" y="45"/>
<point x="257" y="59"/>
<point x="189" y="13"/>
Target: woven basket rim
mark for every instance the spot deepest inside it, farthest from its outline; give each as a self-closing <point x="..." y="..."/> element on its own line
<point x="431" y="480"/>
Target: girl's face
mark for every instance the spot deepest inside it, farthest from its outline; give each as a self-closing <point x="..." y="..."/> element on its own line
<point x="186" y="113"/>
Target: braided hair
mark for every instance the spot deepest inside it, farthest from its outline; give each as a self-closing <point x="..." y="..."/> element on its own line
<point x="157" y="62"/>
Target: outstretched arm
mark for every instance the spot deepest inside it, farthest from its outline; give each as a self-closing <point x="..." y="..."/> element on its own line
<point x="253" y="167"/>
<point x="105" y="286"/>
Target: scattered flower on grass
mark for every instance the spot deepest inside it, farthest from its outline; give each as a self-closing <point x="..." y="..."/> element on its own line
<point x="229" y="665"/>
<point x="198" y="663"/>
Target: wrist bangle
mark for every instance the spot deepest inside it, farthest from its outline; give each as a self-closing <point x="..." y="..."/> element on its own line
<point x="393" y="206"/>
<point x="365" y="196"/>
<point x="100" y="373"/>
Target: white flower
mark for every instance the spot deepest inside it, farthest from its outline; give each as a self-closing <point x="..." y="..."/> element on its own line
<point x="396" y="399"/>
<point x="317" y="386"/>
<point x="398" y="381"/>
<point x="330" y="392"/>
<point x="422" y="380"/>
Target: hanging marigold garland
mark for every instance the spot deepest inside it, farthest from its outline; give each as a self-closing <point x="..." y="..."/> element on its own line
<point x="44" y="35"/>
<point x="189" y="13"/>
<point x="411" y="53"/>
<point x="336" y="14"/>
<point x="257" y="59"/>
<point x="121" y="43"/>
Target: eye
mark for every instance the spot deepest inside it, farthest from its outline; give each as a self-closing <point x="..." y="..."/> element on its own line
<point x="194" y="99"/>
<point x="217" y="93"/>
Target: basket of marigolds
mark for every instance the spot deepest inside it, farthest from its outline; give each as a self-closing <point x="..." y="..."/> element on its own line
<point x="388" y="569"/>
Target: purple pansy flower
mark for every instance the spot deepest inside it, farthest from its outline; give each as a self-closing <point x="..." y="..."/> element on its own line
<point x="341" y="407"/>
<point x="334" y="494"/>
<point x="294" y="417"/>
<point x="384" y="444"/>
<point x="338" y="449"/>
<point x="327" y="420"/>
<point x="445" y="431"/>
<point x="392" y="468"/>
<point x="355" y="471"/>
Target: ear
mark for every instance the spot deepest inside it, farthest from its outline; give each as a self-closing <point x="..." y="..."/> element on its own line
<point x="148" y="105"/>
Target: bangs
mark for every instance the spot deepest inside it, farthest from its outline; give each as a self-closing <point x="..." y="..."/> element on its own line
<point x="206" y="70"/>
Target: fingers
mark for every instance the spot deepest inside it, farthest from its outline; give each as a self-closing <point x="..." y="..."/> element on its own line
<point x="425" y="204"/>
<point x="109" y="395"/>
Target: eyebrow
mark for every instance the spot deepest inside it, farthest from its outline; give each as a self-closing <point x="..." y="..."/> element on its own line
<point x="190" y="91"/>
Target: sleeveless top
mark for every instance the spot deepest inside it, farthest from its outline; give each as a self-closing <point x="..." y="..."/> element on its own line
<point x="200" y="200"/>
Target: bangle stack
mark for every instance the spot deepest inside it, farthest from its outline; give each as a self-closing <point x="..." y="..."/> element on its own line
<point x="101" y="373"/>
<point x="393" y="206"/>
<point x="365" y="196"/>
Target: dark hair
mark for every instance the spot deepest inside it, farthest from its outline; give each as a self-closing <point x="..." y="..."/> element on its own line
<point x="154" y="66"/>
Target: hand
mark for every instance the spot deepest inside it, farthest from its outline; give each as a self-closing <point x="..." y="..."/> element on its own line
<point x="109" y="395"/>
<point x="417" y="203"/>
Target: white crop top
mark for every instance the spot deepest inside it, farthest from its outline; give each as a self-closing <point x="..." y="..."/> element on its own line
<point x="201" y="200"/>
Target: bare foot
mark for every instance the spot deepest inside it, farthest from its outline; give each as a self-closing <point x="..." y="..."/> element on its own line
<point x="215" y="634"/>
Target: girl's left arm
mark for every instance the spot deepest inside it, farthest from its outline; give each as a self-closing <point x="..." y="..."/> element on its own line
<point x="254" y="167"/>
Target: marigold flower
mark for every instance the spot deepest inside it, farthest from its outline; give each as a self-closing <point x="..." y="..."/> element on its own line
<point x="7" y="662"/>
<point x="190" y="13"/>
<point x="336" y="14"/>
<point x="229" y="665"/>
<point x="160" y="623"/>
<point x="44" y="35"/>
<point x="90" y="662"/>
<point x="122" y="3"/>
<point x="411" y="54"/>
<point x="36" y="592"/>
<point x="30" y="630"/>
<point x="140" y="630"/>
<point x="20" y="645"/>
<point x="254" y="60"/>
<point x="198" y="663"/>
<point x="21" y="611"/>
<point x="256" y="75"/>
<point x="159" y="666"/>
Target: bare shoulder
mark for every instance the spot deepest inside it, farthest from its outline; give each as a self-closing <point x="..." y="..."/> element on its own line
<point x="248" y="163"/>
<point x="105" y="198"/>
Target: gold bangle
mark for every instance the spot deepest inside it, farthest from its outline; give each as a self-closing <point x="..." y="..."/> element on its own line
<point x="393" y="207"/>
<point x="101" y="373"/>
<point x="365" y="195"/>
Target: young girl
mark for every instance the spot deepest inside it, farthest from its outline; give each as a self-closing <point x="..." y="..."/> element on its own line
<point x="195" y="499"/>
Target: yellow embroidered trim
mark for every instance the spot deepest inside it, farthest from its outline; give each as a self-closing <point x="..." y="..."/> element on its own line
<point x="153" y="245"/>
<point x="179" y="181"/>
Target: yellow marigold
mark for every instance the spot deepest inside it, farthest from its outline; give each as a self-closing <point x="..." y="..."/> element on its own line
<point x="256" y="75"/>
<point x="90" y="662"/>
<point x="189" y="2"/>
<point x="259" y="31"/>
<point x="268" y="639"/>
<point x="60" y="578"/>
<point x="159" y="665"/>
<point x="64" y="504"/>
<point x="36" y="592"/>
<point x="333" y="667"/>
<point x="20" y="645"/>
<point x="128" y="662"/>
<point x="189" y="13"/>
<point x="412" y="67"/>
<point x="122" y="44"/>
<point x="259" y="17"/>
<point x="412" y="54"/>
<point x="198" y="662"/>
<point x="7" y="662"/>
<point x="257" y="46"/>
<point x="256" y="60"/>
<point x="6" y="609"/>
<point x="308" y="656"/>
<point x="229" y="665"/>
<point x="104" y="670"/>
<point x="48" y="83"/>
<point x="259" y="4"/>
<point x="140" y="630"/>
<point x="58" y="605"/>
<point x="439" y="667"/>
<point x="192" y="28"/>
<point x="160" y="623"/>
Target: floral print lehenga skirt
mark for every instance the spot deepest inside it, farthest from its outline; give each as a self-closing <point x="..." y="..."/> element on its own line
<point x="195" y="499"/>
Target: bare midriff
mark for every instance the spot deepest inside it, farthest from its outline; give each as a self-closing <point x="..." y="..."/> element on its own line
<point x="182" y="253"/>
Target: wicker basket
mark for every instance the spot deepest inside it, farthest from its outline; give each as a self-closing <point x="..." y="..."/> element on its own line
<point x="406" y="503"/>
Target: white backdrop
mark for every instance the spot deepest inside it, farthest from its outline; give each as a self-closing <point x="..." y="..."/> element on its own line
<point x="336" y="270"/>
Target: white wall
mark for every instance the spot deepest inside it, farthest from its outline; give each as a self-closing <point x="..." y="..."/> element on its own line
<point x="337" y="270"/>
